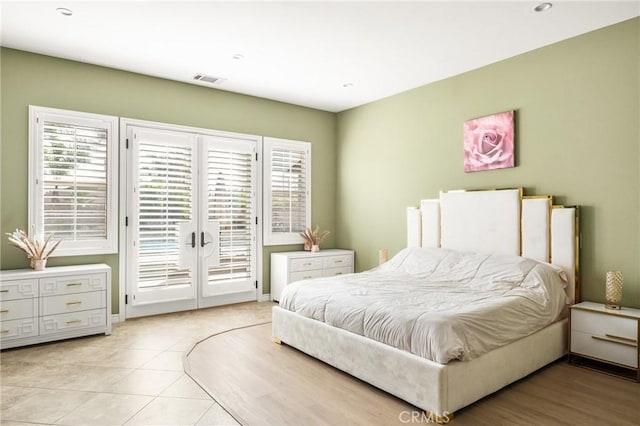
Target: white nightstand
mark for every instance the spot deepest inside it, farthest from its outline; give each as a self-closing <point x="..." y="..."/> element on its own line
<point x="608" y="337"/>
<point x="291" y="266"/>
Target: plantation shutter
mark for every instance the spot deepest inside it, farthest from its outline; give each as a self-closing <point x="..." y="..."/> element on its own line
<point x="165" y="201"/>
<point x="74" y="181"/>
<point x="287" y="181"/>
<point x="288" y="190"/>
<point x="73" y="185"/>
<point x="230" y="203"/>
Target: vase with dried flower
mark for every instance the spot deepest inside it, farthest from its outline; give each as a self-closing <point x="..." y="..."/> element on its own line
<point x="313" y="238"/>
<point x="38" y="251"/>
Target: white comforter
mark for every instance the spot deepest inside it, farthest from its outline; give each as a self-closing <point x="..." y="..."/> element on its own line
<point x="438" y="304"/>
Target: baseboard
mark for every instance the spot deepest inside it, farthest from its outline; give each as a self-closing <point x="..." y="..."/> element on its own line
<point x="115" y="318"/>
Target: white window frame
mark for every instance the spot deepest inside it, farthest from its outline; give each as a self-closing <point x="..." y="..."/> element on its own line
<point x="269" y="144"/>
<point x="37" y="116"/>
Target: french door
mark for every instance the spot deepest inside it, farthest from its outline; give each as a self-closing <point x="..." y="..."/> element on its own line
<point x="192" y="220"/>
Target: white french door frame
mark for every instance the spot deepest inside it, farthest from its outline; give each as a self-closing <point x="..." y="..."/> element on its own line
<point x="125" y="179"/>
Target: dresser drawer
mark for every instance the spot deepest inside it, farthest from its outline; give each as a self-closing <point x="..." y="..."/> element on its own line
<point x="603" y="324"/>
<point x="16" y="309"/>
<point x="303" y="264"/>
<point x="17" y="329"/>
<point x="19" y="289"/>
<point x="332" y="272"/>
<point x="72" y="284"/>
<point x="607" y="350"/>
<point x="76" y="320"/>
<point x="72" y="303"/>
<point x="305" y="275"/>
<point x="338" y="261"/>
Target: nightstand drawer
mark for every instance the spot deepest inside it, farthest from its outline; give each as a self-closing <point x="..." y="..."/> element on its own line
<point x="607" y="349"/>
<point x="305" y="275"/>
<point x="306" y="264"/>
<point x="604" y="324"/>
<point x="20" y="289"/>
<point x="338" y="261"/>
<point x="16" y="309"/>
<point x="332" y="272"/>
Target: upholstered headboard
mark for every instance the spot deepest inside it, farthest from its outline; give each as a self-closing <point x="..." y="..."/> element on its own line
<point x="500" y="221"/>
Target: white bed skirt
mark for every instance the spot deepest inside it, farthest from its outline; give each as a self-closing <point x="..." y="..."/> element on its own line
<point x="436" y="388"/>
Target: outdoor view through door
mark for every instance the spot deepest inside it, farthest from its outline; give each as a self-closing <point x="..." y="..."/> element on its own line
<point x="191" y="212"/>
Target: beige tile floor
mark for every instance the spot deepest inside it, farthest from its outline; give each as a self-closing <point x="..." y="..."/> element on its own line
<point x="134" y="376"/>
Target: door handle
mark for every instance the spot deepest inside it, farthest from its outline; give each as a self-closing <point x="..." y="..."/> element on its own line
<point x="202" y="241"/>
<point x="193" y="240"/>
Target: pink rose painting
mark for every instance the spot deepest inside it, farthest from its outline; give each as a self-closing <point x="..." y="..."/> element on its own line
<point x="489" y="142"/>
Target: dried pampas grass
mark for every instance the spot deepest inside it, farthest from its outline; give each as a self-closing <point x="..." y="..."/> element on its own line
<point x="314" y="237"/>
<point x="34" y="248"/>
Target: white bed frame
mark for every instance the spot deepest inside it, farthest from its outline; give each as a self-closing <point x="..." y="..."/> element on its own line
<point x="496" y="221"/>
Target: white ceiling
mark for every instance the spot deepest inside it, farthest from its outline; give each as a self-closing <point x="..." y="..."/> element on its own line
<point x="301" y="52"/>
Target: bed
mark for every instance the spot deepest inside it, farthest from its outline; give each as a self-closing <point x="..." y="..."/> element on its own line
<point x="497" y="224"/>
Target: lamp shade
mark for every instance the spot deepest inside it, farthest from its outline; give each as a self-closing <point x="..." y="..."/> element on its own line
<point x="383" y="256"/>
<point x="613" y="290"/>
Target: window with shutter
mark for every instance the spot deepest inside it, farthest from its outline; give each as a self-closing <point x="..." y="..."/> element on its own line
<point x="72" y="172"/>
<point x="287" y="190"/>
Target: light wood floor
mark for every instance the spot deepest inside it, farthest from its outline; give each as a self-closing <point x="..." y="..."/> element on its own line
<point x="260" y="382"/>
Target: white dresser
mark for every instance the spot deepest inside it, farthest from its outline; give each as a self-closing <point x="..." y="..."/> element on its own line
<point x="606" y="335"/>
<point x="291" y="266"/>
<point x="57" y="303"/>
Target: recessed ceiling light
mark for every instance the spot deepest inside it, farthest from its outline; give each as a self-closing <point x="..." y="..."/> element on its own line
<point x="543" y="7"/>
<point x="64" y="11"/>
<point x="347" y="85"/>
<point x="238" y="56"/>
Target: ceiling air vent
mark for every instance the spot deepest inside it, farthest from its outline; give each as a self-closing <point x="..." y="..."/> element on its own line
<point x="208" y="79"/>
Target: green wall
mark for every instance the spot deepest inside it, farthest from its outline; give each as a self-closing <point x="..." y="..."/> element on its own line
<point x="30" y="79"/>
<point x="577" y="137"/>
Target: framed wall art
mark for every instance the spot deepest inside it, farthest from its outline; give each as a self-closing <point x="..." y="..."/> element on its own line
<point x="489" y="142"/>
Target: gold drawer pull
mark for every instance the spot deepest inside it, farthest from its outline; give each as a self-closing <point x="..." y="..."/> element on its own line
<point x="613" y="336"/>
<point x="307" y="277"/>
<point x="4" y="331"/>
<point x="338" y="261"/>
<point x="73" y="284"/>
<point x="76" y="321"/>
<point x="633" y="345"/>
<point x="4" y="291"/>
<point x="4" y="311"/>
<point x="77" y="302"/>
<point x="307" y="264"/>
<point x="338" y="273"/>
